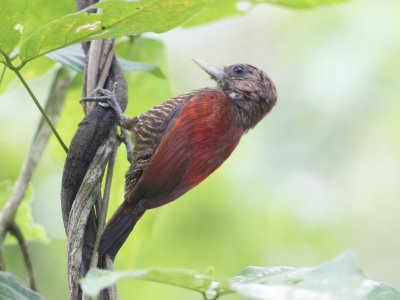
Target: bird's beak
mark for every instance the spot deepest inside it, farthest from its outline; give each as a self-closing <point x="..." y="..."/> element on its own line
<point x="215" y="73"/>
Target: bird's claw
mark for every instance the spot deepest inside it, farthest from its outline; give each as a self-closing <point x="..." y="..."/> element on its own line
<point x="106" y="98"/>
<point x="106" y="92"/>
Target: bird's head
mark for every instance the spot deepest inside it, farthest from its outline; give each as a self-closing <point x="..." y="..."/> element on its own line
<point x="250" y="89"/>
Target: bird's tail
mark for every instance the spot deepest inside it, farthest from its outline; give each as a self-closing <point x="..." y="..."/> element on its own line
<point x="118" y="229"/>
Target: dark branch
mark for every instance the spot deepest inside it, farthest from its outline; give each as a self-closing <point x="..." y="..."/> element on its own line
<point x="101" y="70"/>
<point x="81" y="208"/>
<point x="16" y="231"/>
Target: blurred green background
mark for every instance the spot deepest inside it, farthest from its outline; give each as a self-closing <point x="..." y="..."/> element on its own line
<point x="319" y="175"/>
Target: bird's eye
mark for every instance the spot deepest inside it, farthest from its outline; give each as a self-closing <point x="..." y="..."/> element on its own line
<point x="239" y="70"/>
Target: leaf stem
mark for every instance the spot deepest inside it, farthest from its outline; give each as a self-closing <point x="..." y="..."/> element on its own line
<point x="20" y="66"/>
<point x="40" y="108"/>
<point x="2" y="74"/>
<point x="9" y="64"/>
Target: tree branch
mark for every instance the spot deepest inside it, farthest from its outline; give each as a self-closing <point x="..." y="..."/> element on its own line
<point x="16" y="231"/>
<point x="83" y="170"/>
<point x="103" y="205"/>
<point x="80" y="210"/>
<point x="53" y="106"/>
<point x="101" y="218"/>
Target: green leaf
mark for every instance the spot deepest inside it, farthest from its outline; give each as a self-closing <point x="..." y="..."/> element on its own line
<point x="45" y="11"/>
<point x="337" y="279"/>
<point x="13" y="16"/>
<point x="23" y="218"/>
<point x="115" y="18"/>
<point x="128" y="66"/>
<point x="224" y="8"/>
<point x="96" y="279"/>
<point x="73" y="57"/>
<point x="12" y="288"/>
<point x="383" y="291"/>
<point x="302" y="4"/>
<point x="218" y="10"/>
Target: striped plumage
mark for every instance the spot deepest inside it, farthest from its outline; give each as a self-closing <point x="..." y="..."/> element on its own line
<point x="146" y="131"/>
<point x="181" y="141"/>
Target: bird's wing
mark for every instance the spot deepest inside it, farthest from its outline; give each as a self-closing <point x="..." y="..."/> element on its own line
<point x="199" y="137"/>
<point x="147" y="133"/>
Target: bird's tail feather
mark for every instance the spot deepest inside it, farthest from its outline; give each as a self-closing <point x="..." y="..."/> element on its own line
<point x="118" y="229"/>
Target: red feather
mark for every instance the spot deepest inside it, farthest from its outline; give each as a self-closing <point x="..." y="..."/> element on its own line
<point x="200" y="137"/>
<point x="204" y="133"/>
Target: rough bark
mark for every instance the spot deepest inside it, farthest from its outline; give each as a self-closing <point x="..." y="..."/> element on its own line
<point x="89" y="152"/>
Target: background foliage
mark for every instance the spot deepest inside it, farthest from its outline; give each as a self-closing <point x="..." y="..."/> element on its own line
<point x="318" y="176"/>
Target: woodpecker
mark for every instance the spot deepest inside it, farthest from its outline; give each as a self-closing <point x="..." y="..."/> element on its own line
<point x="181" y="141"/>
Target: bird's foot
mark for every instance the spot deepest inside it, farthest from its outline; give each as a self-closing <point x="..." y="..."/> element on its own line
<point x="107" y="98"/>
<point x="124" y="138"/>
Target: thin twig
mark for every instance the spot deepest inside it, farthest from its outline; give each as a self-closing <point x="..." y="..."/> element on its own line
<point x="41" y="109"/>
<point x="25" y="84"/>
<point x="53" y="106"/>
<point x="2" y="73"/>
<point x="80" y="210"/>
<point x="106" y="60"/>
<point x="101" y="217"/>
<point x="112" y="290"/>
<point x="108" y="46"/>
<point x="7" y="59"/>
<point x="16" y="231"/>
<point x="91" y="72"/>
